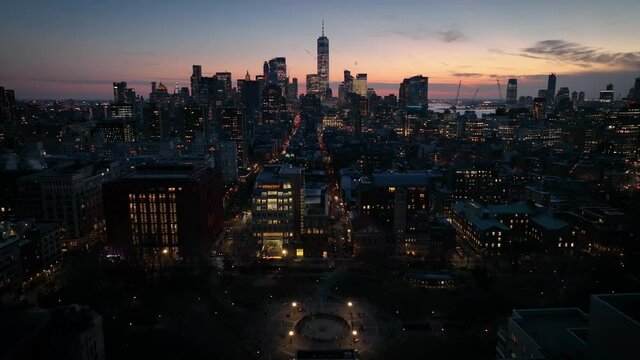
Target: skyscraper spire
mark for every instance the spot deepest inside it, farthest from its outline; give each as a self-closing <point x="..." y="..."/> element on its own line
<point x="322" y="26"/>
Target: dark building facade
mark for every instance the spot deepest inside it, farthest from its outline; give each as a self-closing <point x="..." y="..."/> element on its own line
<point x="7" y="106"/>
<point x="234" y="129"/>
<point x="164" y="212"/>
<point x="414" y="91"/>
<point x="512" y="91"/>
<point x="274" y="104"/>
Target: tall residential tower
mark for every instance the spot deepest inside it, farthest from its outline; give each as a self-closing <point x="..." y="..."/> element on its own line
<point x="512" y="92"/>
<point x="551" y="90"/>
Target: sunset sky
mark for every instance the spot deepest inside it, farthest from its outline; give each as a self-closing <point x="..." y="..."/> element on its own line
<point x="77" y="48"/>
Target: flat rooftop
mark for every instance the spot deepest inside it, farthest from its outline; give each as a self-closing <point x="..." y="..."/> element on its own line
<point x="276" y="173"/>
<point x="549" y="222"/>
<point x="546" y="326"/>
<point x="628" y="304"/>
<point x="400" y="179"/>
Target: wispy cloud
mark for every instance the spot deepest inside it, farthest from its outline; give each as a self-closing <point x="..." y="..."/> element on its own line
<point x="585" y="56"/>
<point x="532" y="77"/>
<point x="420" y="33"/>
<point x="415" y="33"/>
<point x="467" y="74"/>
<point x="452" y="35"/>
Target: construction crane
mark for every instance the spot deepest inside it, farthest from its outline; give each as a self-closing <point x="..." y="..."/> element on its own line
<point x="454" y="107"/>
<point x="475" y="93"/>
<point x="499" y="90"/>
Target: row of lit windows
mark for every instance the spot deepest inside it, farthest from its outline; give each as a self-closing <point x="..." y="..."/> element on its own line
<point x="273" y="234"/>
<point x="271" y="221"/>
<point x="275" y="193"/>
<point x="274" y="201"/>
<point x="565" y="244"/>
<point x="144" y="208"/>
<point x="313" y="231"/>
<point x="274" y="207"/>
<point x="152" y="197"/>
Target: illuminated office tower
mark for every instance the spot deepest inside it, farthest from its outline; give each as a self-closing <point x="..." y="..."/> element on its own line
<point x="122" y="94"/>
<point x="119" y="89"/>
<point x="153" y="122"/>
<point x="345" y="88"/>
<point x="360" y="86"/>
<point x="193" y="122"/>
<point x="323" y="63"/>
<point x="607" y="95"/>
<point x="275" y="71"/>
<point x="274" y="104"/>
<point x="414" y="91"/>
<point x="512" y="91"/>
<point x="122" y="123"/>
<point x="313" y="84"/>
<point x="115" y="131"/>
<point x="226" y="86"/>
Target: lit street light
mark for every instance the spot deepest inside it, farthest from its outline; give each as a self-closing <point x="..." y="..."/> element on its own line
<point x="293" y="306"/>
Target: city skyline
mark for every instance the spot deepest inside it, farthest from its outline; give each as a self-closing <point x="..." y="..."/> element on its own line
<point x="288" y="179"/>
<point x="587" y="43"/>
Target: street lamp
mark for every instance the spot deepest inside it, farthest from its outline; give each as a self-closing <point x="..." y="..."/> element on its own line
<point x="293" y="306"/>
<point x="290" y="336"/>
<point x="350" y="304"/>
<point x="354" y="332"/>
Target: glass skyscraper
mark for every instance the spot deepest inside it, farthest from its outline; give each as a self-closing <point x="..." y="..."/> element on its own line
<point x="323" y="63"/>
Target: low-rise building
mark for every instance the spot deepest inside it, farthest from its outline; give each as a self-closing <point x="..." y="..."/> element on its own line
<point x="610" y="331"/>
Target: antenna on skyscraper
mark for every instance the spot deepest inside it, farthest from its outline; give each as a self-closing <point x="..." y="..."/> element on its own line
<point x="322" y="26"/>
